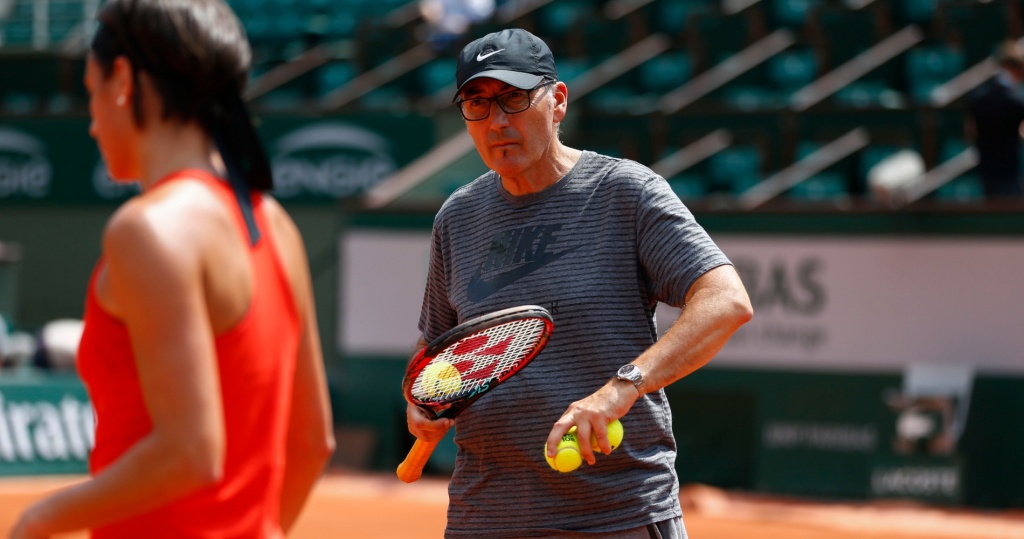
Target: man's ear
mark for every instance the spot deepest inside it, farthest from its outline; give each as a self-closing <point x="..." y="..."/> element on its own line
<point x="561" y="95"/>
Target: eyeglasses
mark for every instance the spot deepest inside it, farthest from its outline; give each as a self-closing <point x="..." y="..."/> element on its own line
<point x="478" y="108"/>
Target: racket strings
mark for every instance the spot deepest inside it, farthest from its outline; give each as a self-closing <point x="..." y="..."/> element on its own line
<point x="469" y="365"/>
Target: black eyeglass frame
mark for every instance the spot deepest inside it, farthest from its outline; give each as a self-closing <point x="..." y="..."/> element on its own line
<point x="497" y="99"/>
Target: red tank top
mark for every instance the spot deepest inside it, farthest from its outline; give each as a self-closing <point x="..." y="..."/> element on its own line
<point x="256" y="360"/>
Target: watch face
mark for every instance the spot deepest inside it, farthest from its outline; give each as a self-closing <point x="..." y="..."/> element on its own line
<point x="628" y="371"/>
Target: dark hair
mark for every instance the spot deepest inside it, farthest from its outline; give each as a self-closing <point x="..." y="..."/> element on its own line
<point x="198" y="57"/>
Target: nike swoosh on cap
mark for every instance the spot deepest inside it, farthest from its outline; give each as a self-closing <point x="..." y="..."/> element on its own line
<point x="480" y="288"/>
<point x="481" y="56"/>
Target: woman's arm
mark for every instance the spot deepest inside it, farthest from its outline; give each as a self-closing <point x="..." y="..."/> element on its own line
<point x="310" y="441"/>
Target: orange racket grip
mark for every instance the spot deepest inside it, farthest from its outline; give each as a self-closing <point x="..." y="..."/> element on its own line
<point x="412" y="467"/>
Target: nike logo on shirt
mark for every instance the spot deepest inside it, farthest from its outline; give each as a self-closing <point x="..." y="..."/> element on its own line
<point x="480" y="57"/>
<point x="511" y="247"/>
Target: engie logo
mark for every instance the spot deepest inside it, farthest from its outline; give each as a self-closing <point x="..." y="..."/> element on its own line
<point x="25" y="169"/>
<point x="41" y="430"/>
<point x="329" y="160"/>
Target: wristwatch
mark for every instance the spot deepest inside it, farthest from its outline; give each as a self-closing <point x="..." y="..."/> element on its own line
<point x="631" y="373"/>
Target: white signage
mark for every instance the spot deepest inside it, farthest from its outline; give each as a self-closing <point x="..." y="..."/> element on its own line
<point x="869" y="304"/>
<point x="878" y="304"/>
<point x="383" y="273"/>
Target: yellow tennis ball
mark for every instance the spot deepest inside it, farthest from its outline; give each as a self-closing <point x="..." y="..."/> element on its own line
<point x="614" y="436"/>
<point x="441" y="378"/>
<point x="567" y="456"/>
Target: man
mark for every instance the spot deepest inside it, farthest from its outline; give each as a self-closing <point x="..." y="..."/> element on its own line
<point x="996" y="113"/>
<point x="598" y="241"/>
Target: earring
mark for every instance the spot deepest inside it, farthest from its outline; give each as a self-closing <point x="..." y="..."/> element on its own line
<point x="120" y="100"/>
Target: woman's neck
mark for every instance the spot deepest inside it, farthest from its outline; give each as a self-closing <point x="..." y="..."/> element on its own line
<point x="170" y="147"/>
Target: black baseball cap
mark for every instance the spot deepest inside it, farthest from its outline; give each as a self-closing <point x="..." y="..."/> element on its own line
<point x="515" y="57"/>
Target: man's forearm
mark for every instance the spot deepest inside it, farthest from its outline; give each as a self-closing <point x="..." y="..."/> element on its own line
<point x="711" y="316"/>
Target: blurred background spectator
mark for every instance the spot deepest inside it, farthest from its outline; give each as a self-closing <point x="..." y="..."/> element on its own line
<point x="996" y="117"/>
<point x="449" y="20"/>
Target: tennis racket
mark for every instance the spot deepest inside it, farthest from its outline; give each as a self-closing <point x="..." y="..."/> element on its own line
<point x="467" y="361"/>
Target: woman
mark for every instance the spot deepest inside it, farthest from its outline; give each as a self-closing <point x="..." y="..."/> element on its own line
<point x="200" y="350"/>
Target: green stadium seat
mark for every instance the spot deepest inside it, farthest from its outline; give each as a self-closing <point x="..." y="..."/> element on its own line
<point x="246" y="8"/>
<point x="941" y="62"/>
<point x="953" y="147"/>
<point x="557" y="18"/>
<point x="689" y="186"/>
<point x="258" y="27"/>
<point x="828" y="184"/>
<point x="918" y="11"/>
<point x="436" y="76"/>
<point x="665" y="72"/>
<point x="60" y="103"/>
<point x="966" y="188"/>
<point x="791" y="13"/>
<point x="66" y="8"/>
<point x="569" y="69"/>
<point x="822" y="186"/>
<point x="928" y="67"/>
<point x="612" y="99"/>
<point x="64" y="16"/>
<point x="921" y="91"/>
<point x="750" y="98"/>
<point x="16" y="27"/>
<point x="375" y="9"/>
<point x="735" y="169"/>
<point x="333" y="76"/>
<point x="61" y="28"/>
<point x="869" y="94"/>
<point x="791" y="70"/>
<point x="672" y="16"/>
<point x="17" y="31"/>
<point x="19" y="103"/>
<point x="342" y="24"/>
<point x="289" y="24"/>
<point x="386" y="99"/>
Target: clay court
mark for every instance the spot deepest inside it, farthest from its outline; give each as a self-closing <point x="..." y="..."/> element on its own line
<point x="361" y="506"/>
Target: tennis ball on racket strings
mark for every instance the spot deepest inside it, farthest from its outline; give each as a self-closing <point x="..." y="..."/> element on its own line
<point x="567" y="456"/>
<point x="441" y="378"/>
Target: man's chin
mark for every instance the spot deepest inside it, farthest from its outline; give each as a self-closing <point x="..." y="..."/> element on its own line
<point x="505" y="165"/>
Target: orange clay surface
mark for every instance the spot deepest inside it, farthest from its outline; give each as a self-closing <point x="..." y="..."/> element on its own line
<point x="351" y="505"/>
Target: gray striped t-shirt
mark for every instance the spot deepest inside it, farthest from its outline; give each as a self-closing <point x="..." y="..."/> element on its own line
<point x="598" y="249"/>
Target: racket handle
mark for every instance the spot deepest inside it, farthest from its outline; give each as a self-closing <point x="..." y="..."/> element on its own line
<point x="412" y="467"/>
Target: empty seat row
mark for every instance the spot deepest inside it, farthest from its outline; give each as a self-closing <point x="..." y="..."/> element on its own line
<point x="736" y="169"/>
